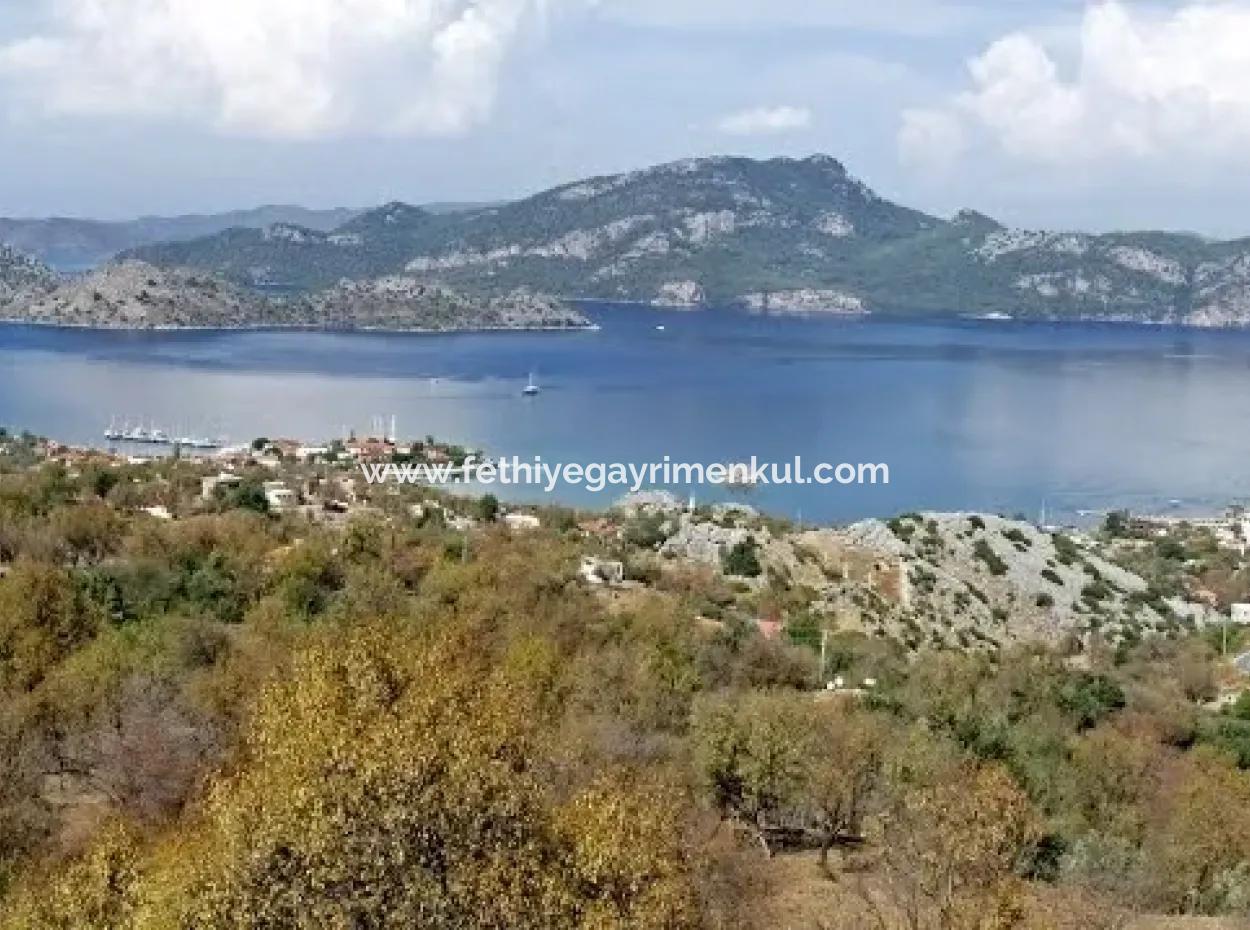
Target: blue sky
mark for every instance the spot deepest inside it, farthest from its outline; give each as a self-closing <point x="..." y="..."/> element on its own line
<point x="1060" y="114"/>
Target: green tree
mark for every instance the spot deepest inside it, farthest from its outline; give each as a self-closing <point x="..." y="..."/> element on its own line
<point x="488" y="508"/>
<point x="742" y="560"/>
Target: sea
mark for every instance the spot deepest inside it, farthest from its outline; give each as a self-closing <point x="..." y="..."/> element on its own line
<point x="1058" y="422"/>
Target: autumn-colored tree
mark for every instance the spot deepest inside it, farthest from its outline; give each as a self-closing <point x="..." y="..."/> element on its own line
<point x="951" y="852"/>
<point x="44" y="616"/>
<point x="94" y="892"/>
<point x="392" y="781"/>
<point x="844" y="774"/>
<point x="782" y="762"/>
<point x="1198" y="847"/>
<point x="752" y="754"/>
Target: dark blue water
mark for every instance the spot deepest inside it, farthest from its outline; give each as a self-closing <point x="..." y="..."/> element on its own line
<point x="992" y="416"/>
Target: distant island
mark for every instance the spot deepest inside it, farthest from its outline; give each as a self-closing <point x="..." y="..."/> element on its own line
<point x="134" y="295"/>
<point x="779" y="236"/>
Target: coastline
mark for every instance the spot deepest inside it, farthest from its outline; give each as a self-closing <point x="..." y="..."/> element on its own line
<point x="589" y="327"/>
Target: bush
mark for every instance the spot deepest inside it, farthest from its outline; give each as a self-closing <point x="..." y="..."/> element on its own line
<point x="742" y="560"/>
<point x="986" y="554"/>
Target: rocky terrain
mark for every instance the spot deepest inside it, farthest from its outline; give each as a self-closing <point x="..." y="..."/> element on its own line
<point x="792" y="233"/>
<point x="22" y="277"/>
<point x="934" y="580"/>
<point x="980" y="579"/>
<point x="808" y="300"/>
<point x="136" y="295"/>
<point x="402" y="302"/>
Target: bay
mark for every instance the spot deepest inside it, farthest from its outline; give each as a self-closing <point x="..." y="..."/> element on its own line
<point x="968" y="415"/>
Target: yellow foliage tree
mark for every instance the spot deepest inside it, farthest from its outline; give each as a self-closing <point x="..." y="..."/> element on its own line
<point x="393" y="780"/>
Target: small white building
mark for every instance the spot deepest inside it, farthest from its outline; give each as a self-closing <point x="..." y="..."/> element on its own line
<point x="601" y="571"/>
<point x="278" y="496"/>
<point x="159" y="511"/>
<point x="521" y="522"/>
<point x="209" y="486"/>
<point x="1241" y="614"/>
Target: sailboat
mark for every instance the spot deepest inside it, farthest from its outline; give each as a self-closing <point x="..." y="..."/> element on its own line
<point x="532" y="389"/>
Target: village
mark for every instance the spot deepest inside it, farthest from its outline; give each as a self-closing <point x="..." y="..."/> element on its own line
<point x="931" y="581"/>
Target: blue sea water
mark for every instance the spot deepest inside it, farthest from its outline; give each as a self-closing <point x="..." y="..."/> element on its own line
<point x="999" y="416"/>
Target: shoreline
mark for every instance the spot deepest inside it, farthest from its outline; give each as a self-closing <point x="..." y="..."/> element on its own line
<point x="994" y="318"/>
<point x="589" y="327"/>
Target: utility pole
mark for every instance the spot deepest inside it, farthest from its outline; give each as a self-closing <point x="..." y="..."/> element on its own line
<point x="824" y="656"/>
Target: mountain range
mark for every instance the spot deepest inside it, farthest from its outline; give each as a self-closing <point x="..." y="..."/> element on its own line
<point x="779" y="235"/>
<point x="69" y="244"/>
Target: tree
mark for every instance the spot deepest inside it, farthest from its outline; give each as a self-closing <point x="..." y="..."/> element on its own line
<point x="488" y="508"/>
<point x="391" y="782"/>
<point x="742" y="560"/>
<point x="248" y="494"/>
<point x="1116" y="524"/>
<point x="44" y="616"/>
<point x="1199" y="849"/>
<point x="846" y="775"/>
<point x="752" y="756"/>
<point x="952" y="848"/>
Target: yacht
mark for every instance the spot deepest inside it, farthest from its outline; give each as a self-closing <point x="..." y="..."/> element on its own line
<point x="531" y="389"/>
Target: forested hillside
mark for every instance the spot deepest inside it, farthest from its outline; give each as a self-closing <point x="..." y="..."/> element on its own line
<point x="407" y="712"/>
<point x="779" y="235"/>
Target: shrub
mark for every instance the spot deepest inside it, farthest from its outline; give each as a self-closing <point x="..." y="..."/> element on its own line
<point x="986" y="554"/>
<point x="742" y="560"/>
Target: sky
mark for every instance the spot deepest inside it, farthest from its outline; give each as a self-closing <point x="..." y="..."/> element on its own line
<point x="1044" y="114"/>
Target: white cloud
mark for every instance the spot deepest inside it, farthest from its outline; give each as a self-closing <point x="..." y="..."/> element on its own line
<point x="275" y="68"/>
<point x="899" y="17"/>
<point x="1146" y="85"/>
<point x="763" y="121"/>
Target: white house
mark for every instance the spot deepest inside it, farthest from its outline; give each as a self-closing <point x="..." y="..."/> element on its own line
<point x="209" y="486"/>
<point x="521" y="522"/>
<point x="599" y="571"/>
<point x="1241" y="614"/>
<point x="279" y="496"/>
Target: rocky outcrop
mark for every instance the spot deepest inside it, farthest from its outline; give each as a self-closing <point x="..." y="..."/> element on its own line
<point x="807" y="300"/>
<point x="22" y="277"/>
<point x="135" y="295"/>
<point x="978" y="579"/>
<point x="408" y="303"/>
<point x="680" y="294"/>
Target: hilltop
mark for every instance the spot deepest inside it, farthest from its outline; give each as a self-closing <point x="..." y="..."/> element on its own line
<point x="785" y="235"/>
<point x="136" y="295"/>
<point x="22" y="277"/>
<point x="74" y="244"/>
